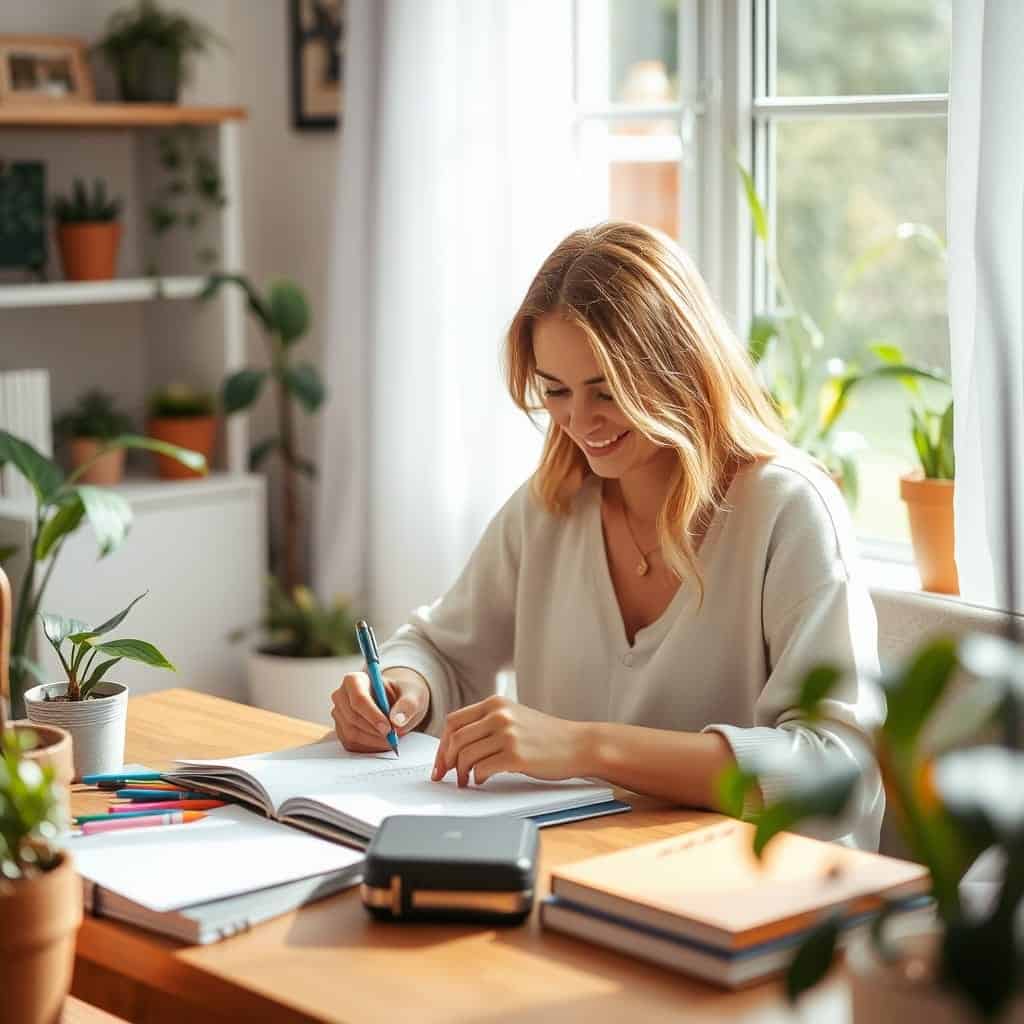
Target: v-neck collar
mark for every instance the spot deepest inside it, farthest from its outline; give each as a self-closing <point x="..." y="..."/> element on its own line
<point x="651" y="634"/>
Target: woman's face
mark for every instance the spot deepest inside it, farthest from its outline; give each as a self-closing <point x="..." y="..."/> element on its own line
<point x="577" y="397"/>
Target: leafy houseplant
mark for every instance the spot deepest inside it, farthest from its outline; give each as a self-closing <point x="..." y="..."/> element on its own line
<point x="88" y="232"/>
<point x="93" y="710"/>
<point x="929" y="497"/>
<point x="951" y="804"/>
<point x="809" y="388"/>
<point x="94" y="421"/>
<point x="309" y="647"/>
<point x="149" y="49"/>
<point x="40" y="895"/>
<point x="181" y="416"/>
<point x="283" y="313"/>
<point x="62" y="504"/>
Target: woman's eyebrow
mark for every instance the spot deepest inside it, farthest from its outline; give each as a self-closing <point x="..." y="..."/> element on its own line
<point x="552" y="377"/>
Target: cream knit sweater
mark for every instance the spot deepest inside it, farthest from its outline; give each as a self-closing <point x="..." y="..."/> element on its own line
<point x="781" y="594"/>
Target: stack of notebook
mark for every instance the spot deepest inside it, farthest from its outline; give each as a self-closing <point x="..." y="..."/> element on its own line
<point x="702" y="903"/>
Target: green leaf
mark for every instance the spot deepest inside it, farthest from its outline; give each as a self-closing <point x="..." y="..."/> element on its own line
<point x="6" y="551"/>
<point x="259" y="452"/>
<point x="106" y="627"/>
<point x="946" y="465"/>
<point x="913" y="692"/>
<point x="58" y="628"/>
<point x="764" y="329"/>
<point x="850" y="477"/>
<point x="109" y="514"/>
<point x="887" y="353"/>
<point x="241" y="389"/>
<point x="187" y="457"/>
<point x="64" y="521"/>
<point x="135" y="650"/>
<point x="304" y="382"/>
<point x="256" y="304"/>
<point x="817" y="685"/>
<point x="981" y="789"/>
<point x="289" y="310"/>
<point x="757" y="213"/>
<point x="97" y="675"/>
<point x="43" y="475"/>
<point x="825" y="791"/>
<point x="732" y="788"/>
<point x="813" y="958"/>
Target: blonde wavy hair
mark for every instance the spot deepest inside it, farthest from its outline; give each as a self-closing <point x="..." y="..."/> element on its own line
<point x="676" y="371"/>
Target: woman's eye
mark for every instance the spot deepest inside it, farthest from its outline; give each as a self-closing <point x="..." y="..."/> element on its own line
<point x="604" y="397"/>
<point x="555" y="392"/>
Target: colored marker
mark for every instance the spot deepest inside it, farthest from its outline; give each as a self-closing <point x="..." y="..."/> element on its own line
<point x="116" y="824"/>
<point x="127" y="776"/>
<point x="132" y="813"/>
<point x="132" y="784"/>
<point x="168" y="805"/>
<point x="159" y="794"/>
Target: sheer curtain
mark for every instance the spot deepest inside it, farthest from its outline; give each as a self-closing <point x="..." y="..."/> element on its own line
<point x="985" y="195"/>
<point x="456" y="178"/>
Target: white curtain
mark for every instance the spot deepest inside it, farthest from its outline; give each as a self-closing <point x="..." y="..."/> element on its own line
<point x="456" y="179"/>
<point x="985" y="199"/>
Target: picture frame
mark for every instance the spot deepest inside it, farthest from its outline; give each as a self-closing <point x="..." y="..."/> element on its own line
<point x="44" y="69"/>
<point x="317" y="34"/>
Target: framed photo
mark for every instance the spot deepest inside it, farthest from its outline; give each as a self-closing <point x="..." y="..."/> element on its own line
<point x="318" y="62"/>
<point x="44" y="69"/>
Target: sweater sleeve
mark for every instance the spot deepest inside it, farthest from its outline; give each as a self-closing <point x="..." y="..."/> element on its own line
<point x="815" y="611"/>
<point x="461" y="641"/>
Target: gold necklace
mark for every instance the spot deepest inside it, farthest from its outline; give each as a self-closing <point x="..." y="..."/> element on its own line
<point x="643" y="567"/>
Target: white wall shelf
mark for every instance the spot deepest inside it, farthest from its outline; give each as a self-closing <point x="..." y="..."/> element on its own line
<point x="86" y="293"/>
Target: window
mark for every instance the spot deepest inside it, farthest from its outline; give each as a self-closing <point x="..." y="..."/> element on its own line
<point x="840" y="112"/>
<point x="849" y="148"/>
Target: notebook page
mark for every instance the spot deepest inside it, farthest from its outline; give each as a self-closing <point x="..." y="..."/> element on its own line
<point x="322" y="767"/>
<point x="231" y="851"/>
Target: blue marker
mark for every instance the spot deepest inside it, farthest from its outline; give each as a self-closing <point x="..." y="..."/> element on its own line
<point x="368" y="645"/>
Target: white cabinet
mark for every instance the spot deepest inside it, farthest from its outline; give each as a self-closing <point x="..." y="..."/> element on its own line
<point x="197" y="547"/>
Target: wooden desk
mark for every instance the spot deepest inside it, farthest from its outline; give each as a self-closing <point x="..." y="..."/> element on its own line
<point x="331" y="962"/>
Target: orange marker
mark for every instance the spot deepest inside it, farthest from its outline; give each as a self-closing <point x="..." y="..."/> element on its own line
<point x="166" y="805"/>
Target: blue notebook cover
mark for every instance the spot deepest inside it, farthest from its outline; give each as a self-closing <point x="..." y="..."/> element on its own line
<point x="579" y="813"/>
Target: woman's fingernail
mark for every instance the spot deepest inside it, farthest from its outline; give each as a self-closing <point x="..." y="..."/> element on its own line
<point x="400" y="718"/>
<point x="384" y="729"/>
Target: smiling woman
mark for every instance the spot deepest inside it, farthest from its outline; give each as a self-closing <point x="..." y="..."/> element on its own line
<point x="662" y="583"/>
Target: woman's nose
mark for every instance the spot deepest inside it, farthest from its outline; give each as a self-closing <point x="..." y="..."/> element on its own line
<point x="583" y="416"/>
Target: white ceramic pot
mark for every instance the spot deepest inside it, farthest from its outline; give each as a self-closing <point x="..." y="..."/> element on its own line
<point x="905" y="990"/>
<point x="97" y="725"/>
<point x="299" y="687"/>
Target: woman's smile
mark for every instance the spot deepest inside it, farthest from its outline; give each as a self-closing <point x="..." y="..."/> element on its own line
<point x="604" y="446"/>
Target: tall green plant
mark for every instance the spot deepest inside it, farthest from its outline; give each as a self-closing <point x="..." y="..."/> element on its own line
<point x="950" y="803"/>
<point x="61" y="506"/>
<point x="283" y="313"/>
<point x="809" y="387"/>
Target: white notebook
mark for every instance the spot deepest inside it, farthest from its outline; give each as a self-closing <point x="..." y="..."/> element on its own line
<point x="326" y="789"/>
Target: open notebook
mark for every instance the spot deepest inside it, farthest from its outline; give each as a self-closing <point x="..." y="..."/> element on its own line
<point x="326" y="789"/>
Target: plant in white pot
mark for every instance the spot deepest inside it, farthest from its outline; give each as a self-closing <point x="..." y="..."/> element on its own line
<point x="955" y="795"/>
<point x="309" y="648"/>
<point x="91" y="708"/>
<point x="40" y="894"/>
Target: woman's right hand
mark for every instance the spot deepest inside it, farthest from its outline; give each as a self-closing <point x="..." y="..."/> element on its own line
<point x="361" y="726"/>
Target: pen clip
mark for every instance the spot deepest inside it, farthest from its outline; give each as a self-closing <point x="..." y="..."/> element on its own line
<point x="367" y="641"/>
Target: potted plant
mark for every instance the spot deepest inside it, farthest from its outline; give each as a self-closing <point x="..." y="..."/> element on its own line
<point x="952" y="803"/>
<point x="309" y="646"/>
<point x="92" y="423"/>
<point x="62" y="505"/>
<point x="181" y="416"/>
<point x="88" y="232"/>
<point x="809" y="387"/>
<point x="93" y="709"/>
<point x="40" y="894"/>
<point x="928" y="493"/>
<point x="149" y="50"/>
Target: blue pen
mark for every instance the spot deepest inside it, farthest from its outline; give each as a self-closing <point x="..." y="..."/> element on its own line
<point x="123" y="776"/>
<point x="368" y="645"/>
<point x="152" y="795"/>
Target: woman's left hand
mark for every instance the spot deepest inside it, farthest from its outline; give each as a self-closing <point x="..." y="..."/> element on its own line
<point x="499" y="735"/>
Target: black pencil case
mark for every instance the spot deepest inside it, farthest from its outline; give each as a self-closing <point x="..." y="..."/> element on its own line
<point x="443" y="868"/>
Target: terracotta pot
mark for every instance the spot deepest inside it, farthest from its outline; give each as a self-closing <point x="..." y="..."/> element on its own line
<point x="89" y="251"/>
<point x="54" y="748"/>
<point x="197" y="433"/>
<point x="930" y="507"/>
<point x="37" y="943"/>
<point x="106" y="470"/>
<point x="906" y="990"/>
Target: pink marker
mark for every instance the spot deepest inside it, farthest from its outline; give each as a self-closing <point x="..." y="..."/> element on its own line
<point x="118" y="823"/>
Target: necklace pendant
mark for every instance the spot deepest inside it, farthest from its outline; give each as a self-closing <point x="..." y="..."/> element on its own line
<point x="642" y="567"/>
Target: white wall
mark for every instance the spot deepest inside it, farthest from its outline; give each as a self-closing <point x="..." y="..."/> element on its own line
<point x="287" y="197"/>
